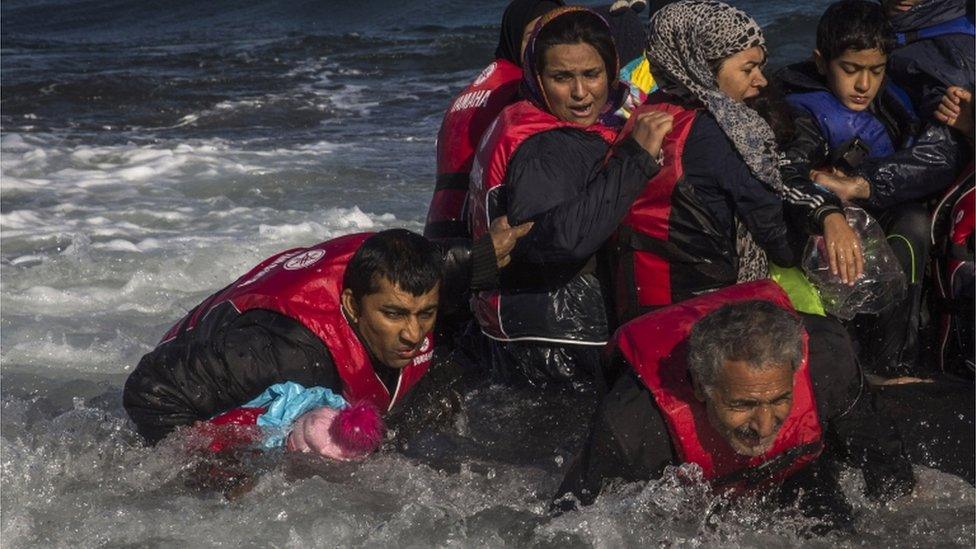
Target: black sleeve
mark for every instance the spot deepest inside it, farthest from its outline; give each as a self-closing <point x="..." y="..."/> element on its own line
<point x="710" y="156"/>
<point x="927" y="167"/>
<point x="807" y="150"/>
<point x="628" y="440"/>
<point x="469" y="264"/>
<point x="221" y="365"/>
<point x="572" y="220"/>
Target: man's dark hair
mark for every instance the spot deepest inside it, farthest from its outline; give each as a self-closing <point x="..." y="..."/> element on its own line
<point x="856" y="25"/>
<point x="577" y="27"/>
<point x="406" y="259"/>
<point x="757" y="332"/>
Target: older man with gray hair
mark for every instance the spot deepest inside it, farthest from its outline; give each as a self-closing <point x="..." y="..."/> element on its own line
<point x="755" y="395"/>
<point x="742" y="358"/>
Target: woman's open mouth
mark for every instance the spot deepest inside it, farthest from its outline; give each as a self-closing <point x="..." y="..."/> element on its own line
<point x="582" y="111"/>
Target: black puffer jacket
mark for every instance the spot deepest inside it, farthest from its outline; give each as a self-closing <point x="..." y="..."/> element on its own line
<point x="559" y="180"/>
<point x="229" y="358"/>
<point x="927" y="159"/>
<point x="225" y="361"/>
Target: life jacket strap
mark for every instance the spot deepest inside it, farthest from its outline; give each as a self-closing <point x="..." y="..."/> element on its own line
<point x="959" y="25"/>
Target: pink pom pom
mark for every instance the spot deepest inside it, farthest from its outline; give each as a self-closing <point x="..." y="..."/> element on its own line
<point x="358" y="427"/>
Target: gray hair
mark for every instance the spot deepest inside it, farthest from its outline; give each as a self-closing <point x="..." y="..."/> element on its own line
<point x="757" y="332"/>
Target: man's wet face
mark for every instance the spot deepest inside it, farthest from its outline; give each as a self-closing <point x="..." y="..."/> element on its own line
<point x="393" y="323"/>
<point x="747" y="406"/>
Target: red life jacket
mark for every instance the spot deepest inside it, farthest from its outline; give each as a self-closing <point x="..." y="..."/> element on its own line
<point x="661" y="257"/>
<point x="486" y="201"/>
<point x="305" y="284"/>
<point x="232" y="429"/>
<point x="466" y="120"/>
<point x="654" y="346"/>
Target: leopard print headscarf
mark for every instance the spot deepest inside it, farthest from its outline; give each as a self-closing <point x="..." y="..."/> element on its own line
<point x="684" y="39"/>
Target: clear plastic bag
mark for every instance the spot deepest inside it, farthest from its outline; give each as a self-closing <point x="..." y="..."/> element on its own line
<point x="882" y="284"/>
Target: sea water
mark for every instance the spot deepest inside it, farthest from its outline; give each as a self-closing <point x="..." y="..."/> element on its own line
<point x="152" y="152"/>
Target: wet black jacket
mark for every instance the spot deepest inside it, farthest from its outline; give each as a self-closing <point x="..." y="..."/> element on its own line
<point x="924" y="68"/>
<point x="916" y="170"/>
<point x="229" y="358"/>
<point x="559" y="180"/>
<point x="717" y="187"/>
<point x="629" y="439"/>
<point x="225" y="361"/>
<point x="719" y="181"/>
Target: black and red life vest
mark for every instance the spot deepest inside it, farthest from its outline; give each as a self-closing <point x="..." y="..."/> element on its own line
<point x="954" y="271"/>
<point x="655" y="346"/>
<point x="662" y="258"/>
<point x="486" y="201"/>
<point x="466" y="120"/>
<point x="305" y="284"/>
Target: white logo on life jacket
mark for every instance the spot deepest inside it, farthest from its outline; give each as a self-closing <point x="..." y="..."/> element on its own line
<point x="485" y="74"/>
<point x="471" y="99"/>
<point x="267" y="269"/>
<point x="425" y="352"/>
<point x="303" y="260"/>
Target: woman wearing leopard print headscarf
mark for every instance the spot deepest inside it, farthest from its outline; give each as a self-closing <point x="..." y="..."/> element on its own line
<point x="715" y="212"/>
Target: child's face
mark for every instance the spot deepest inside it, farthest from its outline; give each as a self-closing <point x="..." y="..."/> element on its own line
<point x="894" y="7"/>
<point x="855" y="76"/>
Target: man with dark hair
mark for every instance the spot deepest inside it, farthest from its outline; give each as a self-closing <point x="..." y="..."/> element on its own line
<point x="353" y="314"/>
<point x="722" y="381"/>
<point x="849" y="117"/>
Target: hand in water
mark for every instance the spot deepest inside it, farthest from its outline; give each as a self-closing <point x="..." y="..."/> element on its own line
<point x="650" y="129"/>
<point x="843" y="248"/>
<point x="504" y="237"/>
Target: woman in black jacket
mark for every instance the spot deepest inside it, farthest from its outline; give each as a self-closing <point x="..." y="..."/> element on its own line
<point x="546" y="160"/>
<point x="718" y="212"/>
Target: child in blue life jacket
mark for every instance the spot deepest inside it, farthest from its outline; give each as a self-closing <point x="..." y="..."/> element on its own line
<point x="859" y="133"/>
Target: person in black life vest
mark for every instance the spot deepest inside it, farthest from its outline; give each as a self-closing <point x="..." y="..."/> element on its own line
<point x="352" y="314"/>
<point x="725" y="381"/>
<point x="470" y="114"/>
<point x="545" y="159"/>
<point x="848" y="115"/>
<point x="720" y="209"/>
